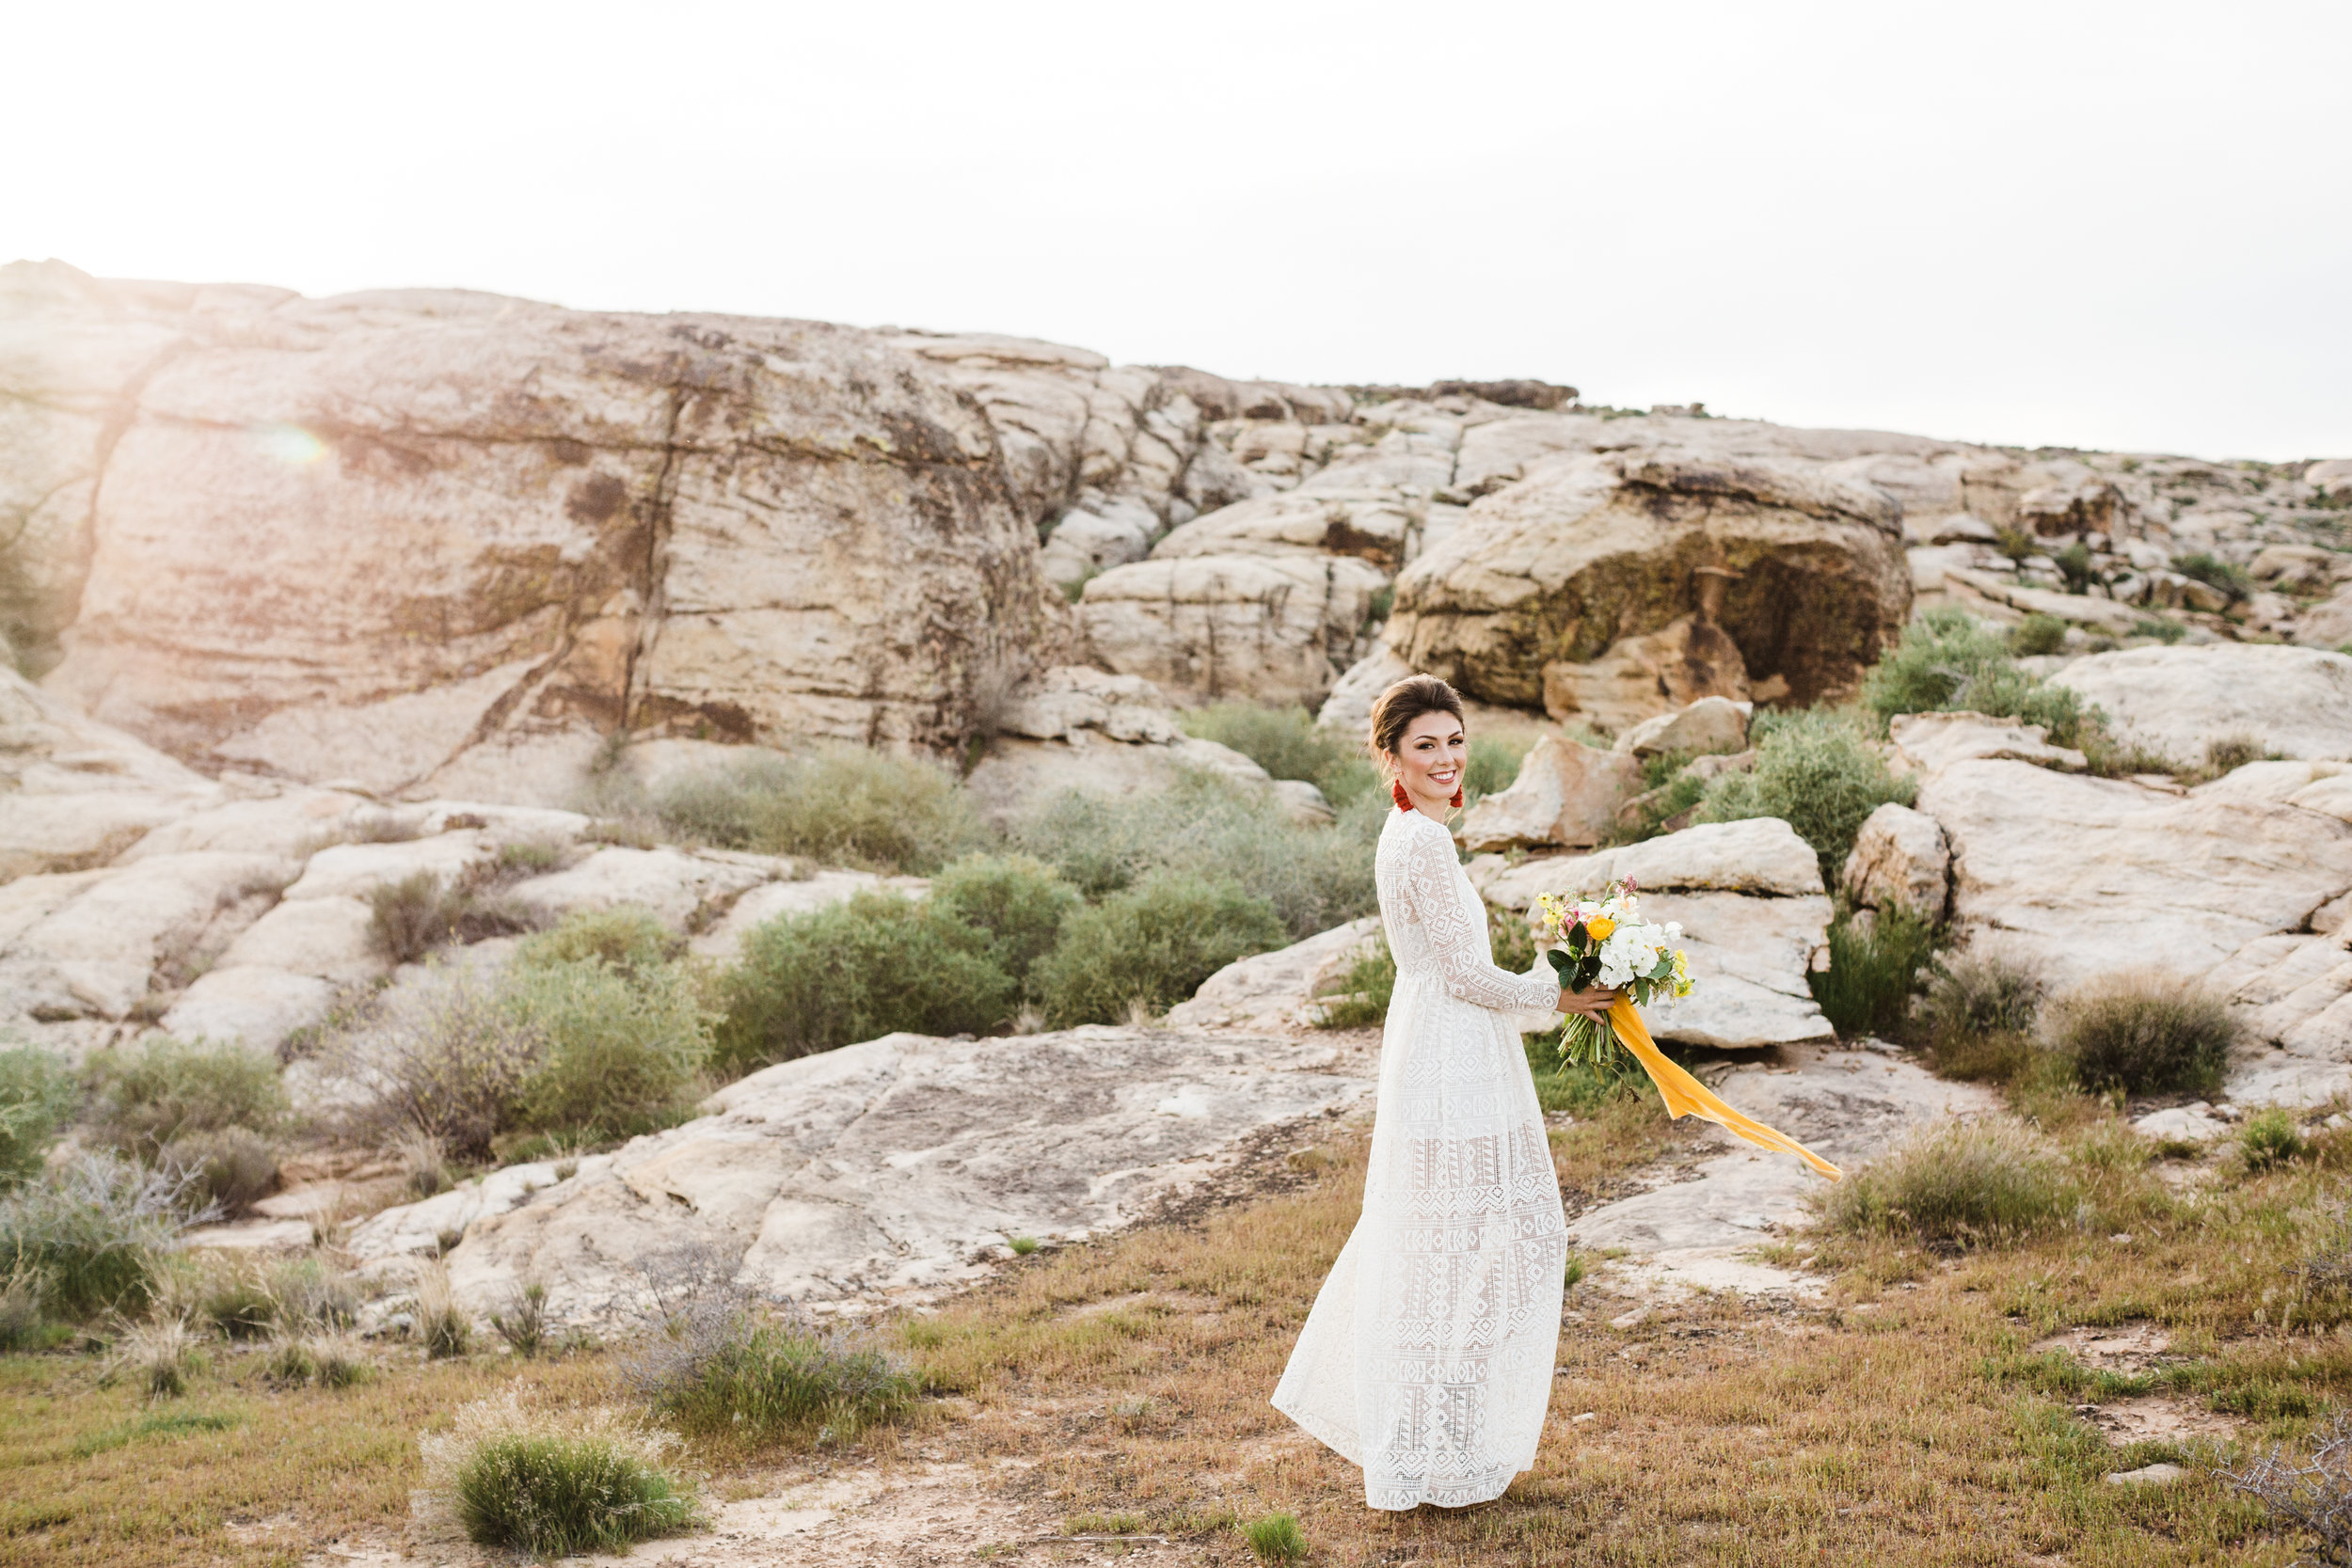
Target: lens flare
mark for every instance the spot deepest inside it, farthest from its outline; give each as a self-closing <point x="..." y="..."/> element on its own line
<point x="289" y="443"/>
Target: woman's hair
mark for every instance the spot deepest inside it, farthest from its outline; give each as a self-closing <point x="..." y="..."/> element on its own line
<point x="1405" y="701"/>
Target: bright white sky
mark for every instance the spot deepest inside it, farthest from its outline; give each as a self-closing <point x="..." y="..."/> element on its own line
<point x="2118" y="225"/>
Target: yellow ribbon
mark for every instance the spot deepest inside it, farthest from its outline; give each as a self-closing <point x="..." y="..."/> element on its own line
<point x="1685" y="1096"/>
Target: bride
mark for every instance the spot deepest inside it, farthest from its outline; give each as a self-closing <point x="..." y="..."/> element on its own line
<point x="1428" y="1357"/>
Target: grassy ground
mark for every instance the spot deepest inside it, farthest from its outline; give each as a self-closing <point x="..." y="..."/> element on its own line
<point x="1906" y="1419"/>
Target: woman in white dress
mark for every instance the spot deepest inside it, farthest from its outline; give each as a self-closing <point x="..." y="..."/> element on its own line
<point x="1428" y="1357"/>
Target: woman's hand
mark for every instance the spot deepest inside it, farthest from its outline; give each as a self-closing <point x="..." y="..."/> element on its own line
<point x="1590" y="1004"/>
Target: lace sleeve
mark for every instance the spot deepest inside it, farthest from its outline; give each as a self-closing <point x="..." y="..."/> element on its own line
<point x="1433" y="897"/>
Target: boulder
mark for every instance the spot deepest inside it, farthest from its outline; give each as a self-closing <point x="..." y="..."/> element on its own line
<point x="2095" y="875"/>
<point x="1348" y="710"/>
<point x="1708" y="726"/>
<point x="893" y="1168"/>
<point x="1069" y="698"/>
<point x="2332" y="477"/>
<point x="1587" y="551"/>
<point x="683" y="889"/>
<point x="1900" y="858"/>
<point x="1565" y="793"/>
<point x="1113" y="531"/>
<point x="2328" y="625"/>
<point x="1927" y="742"/>
<point x="589" y="521"/>
<point x="1272" y="992"/>
<point x="1753" y="914"/>
<point x="2295" y="701"/>
<point x="1688" y="660"/>
<point x="1274" y="629"/>
<point x="74" y="792"/>
<point x="2193" y="1123"/>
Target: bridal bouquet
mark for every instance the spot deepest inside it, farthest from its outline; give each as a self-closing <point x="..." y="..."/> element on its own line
<point x="1606" y="941"/>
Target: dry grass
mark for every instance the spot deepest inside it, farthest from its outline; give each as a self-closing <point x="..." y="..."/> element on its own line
<point x="1910" y="1419"/>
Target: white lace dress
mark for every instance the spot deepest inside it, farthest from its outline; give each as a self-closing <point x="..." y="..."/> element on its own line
<point x="1428" y="1357"/>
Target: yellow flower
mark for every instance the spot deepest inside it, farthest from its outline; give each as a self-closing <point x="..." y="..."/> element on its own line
<point x="1601" y="925"/>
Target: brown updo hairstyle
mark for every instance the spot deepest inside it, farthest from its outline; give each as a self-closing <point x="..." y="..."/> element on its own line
<point x="1405" y="701"/>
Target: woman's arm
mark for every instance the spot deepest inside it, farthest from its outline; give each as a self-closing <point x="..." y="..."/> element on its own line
<point x="1432" y="897"/>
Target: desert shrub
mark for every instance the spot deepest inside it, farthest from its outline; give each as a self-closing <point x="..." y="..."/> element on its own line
<point x="2160" y="629"/>
<point x="1362" y="994"/>
<point x="2225" y="577"/>
<point x="1949" y="660"/>
<point x="1959" y="1184"/>
<point x="618" y="1050"/>
<point x="1285" y="741"/>
<point x="1315" y="877"/>
<point x="1277" y="1538"/>
<point x="443" y="1053"/>
<point x="839" y="804"/>
<point x="2227" y="753"/>
<point x="626" y="937"/>
<point x="861" y="969"/>
<point x="145" y="1096"/>
<point x="2313" y="1497"/>
<point x="2144" y="1034"/>
<point x="1669" y="789"/>
<point x="1493" y="766"/>
<point x="2271" y="1138"/>
<point x="441" y="1324"/>
<point x="97" y="1230"/>
<point x="410" y="918"/>
<point x="330" y="1360"/>
<point x="523" y="1322"/>
<point x="1154" y="944"/>
<point x="2076" y="565"/>
<point x="232" y="1166"/>
<point x="1017" y="901"/>
<point x="1978" y="1015"/>
<point x="2038" y="634"/>
<point x="24" y="1291"/>
<point x="249" y="1298"/>
<point x="1873" y="968"/>
<point x="722" y="1366"/>
<point x="37" y="1095"/>
<point x="553" y="1483"/>
<point x="1820" y="772"/>
<point x="160" y="1357"/>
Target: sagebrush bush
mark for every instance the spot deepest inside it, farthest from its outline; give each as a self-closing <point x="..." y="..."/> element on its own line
<point x="2231" y="580"/>
<point x="839" y="804"/>
<point x="23" y="1291"/>
<point x="232" y="1166"/>
<point x="1821" y="774"/>
<point x="626" y="937"/>
<point x="37" y="1096"/>
<point x="864" y="968"/>
<point x="2144" y="1032"/>
<point x="1285" y="741"/>
<point x="444" y="1054"/>
<point x="724" y="1366"/>
<point x="410" y="918"/>
<point x="619" y="1051"/>
<point x="1949" y="660"/>
<point x="556" y="1483"/>
<point x="1959" y="1184"/>
<point x="1362" y="995"/>
<point x="143" y="1096"/>
<point x="1315" y="877"/>
<point x="1493" y="766"/>
<point x="2037" y="634"/>
<point x="98" y="1231"/>
<point x="1978" y="1015"/>
<point x="1153" y="944"/>
<point x="1017" y="900"/>
<point x="1873" y="970"/>
<point x="2271" y="1138"/>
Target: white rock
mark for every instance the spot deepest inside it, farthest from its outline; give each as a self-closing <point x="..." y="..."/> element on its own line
<point x="1276" y="991"/>
<point x="2159" y="1473"/>
<point x="1710" y="726"/>
<point x="2328" y="625"/>
<point x="74" y="792"/>
<point x="2191" y="1123"/>
<point x="94" y="952"/>
<point x="1114" y="531"/>
<point x="1927" y="742"/>
<point x="1762" y="855"/>
<point x="669" y="882"/>
<point x="1348" y="710"/>
<point x="1899" y="857"/>
<point x="357" y="870"/>
<point x="1565" y="793"/>
<point x="1303" y="802"/>
<point x="2295" y="701"/>
<point x="1016" y="775"/>
<point x="257" y="1006"/>
<point x="1275" y="629"/>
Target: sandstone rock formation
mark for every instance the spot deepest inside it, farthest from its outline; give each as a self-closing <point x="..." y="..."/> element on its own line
<point x="2296" y="702"/>
<point x="1753" y="914"/>
<point x="1711" y="726"/>
<point x="1899" y="859"/>
<point x="1932" y="741"/>
<point x="1565" y="793"/>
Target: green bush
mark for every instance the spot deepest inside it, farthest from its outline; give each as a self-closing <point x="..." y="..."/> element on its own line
<point x="626" y="937"/>
<point x="619" y="1049"/>
<point x="1493" y="766"/>
<point x="837" y="804"/>
<point x="1820" y="772"/>
<point x="444" y="1055"/>
<point x="1285" y="741"/>
<point x="1873" y="970"/>
<point x="412" y="917"/>
<point x="726" y="1367"/>
<point x="2076" y="565"/>
<point x="555" y="1483"/>
<point x="1362" y="994"/>
<point x="2038" y="634"/>
<point x="1958" y="1183"/>
<point x="1979" y="1016"/>
<point x="862" y="969"/>
<point x="1948" y="660"/>
<point x="1020" y="903"/>
<point x="1153" y="943"/>
<point x="97" y="1231"/>
<point x="2145" y="1034"/>
<point x="1315" y="877"/>
<point x="232" y="1166"/>
<point x="2226" y="577"/>
<point x="37" y="1095"/>
<point x="143" y="1096"/>
<point x="2271" y="1138"/>
<point x="1277" y="1538"/>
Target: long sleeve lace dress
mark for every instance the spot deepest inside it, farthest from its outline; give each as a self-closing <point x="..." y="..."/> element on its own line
<point x="1428" y="1357"/>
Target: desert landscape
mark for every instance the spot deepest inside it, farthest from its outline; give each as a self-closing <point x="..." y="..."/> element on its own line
<point x="799" y="897"/>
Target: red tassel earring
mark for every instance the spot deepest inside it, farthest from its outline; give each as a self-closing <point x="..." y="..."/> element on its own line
<point x="1457" y="797"/>
<point x="1396" y="793"/>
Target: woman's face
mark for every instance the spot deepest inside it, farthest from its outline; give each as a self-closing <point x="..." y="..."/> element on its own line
<point x="1430" y="757"/>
